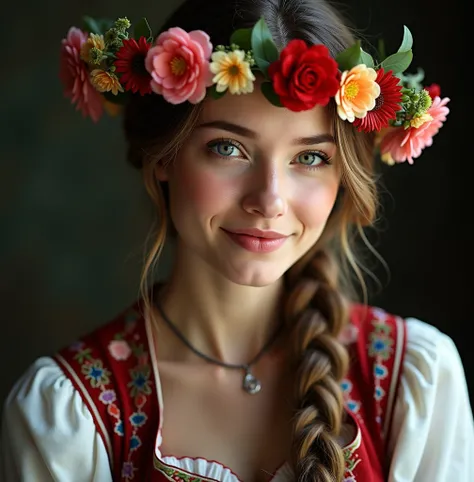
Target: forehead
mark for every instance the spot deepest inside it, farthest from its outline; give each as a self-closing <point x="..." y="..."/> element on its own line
<point x="256" y="113"/>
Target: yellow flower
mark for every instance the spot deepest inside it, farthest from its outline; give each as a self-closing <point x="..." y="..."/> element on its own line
<point x="420" y="120"/>
<point x="105" y="81"/>
<point x="95" y="41"/>
<point x="357" y="93"/>
<point x="232" y="71"/>
<point x="387" y="158"/>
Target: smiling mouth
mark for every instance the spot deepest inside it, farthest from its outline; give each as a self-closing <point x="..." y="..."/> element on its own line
<point x="257" y="241"/>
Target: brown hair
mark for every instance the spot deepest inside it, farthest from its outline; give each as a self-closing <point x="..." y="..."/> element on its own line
<point x="316" y="303"/>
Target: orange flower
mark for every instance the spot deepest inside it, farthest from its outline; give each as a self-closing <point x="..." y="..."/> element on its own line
<point x="357" y="93"/>
<point x="105" y="81"/>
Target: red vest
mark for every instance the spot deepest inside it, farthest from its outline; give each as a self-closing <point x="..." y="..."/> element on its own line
<point x="113" y="371"/>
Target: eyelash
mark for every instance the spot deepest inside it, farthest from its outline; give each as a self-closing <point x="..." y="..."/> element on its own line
<point x="324" y="157"/>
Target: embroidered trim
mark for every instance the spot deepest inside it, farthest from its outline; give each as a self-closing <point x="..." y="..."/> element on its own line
<point x="139" y="386"/>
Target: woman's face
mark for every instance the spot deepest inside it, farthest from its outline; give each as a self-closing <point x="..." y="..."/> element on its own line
<point x="253" y="186"/>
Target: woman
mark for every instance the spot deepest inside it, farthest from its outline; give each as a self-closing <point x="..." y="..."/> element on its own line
<point x="251" y="361"/>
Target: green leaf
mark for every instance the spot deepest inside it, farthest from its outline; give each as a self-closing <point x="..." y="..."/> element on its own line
<point x="413" y="81"/>
<point x="264" y="49"/>
<point x="98" y="26"/>
<point x="397" y="62"/>
<point x="350" y="57"/>
<point x="367" y="59"/>
<point x="143" y="29"/>
<point x="407" y="42"/>
<point x="270" y="94"/>
<point x="214" y="94"/>
<point x="243" y="38"/>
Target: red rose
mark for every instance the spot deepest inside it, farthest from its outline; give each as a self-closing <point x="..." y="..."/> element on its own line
<point x="434" y="90"/>
<point x="304" y="76"/>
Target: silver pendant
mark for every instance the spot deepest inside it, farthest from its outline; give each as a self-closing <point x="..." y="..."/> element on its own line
<point x="250" y="383"/>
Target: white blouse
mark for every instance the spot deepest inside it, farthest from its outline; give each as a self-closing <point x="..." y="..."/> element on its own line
<point x="48" y="434"/>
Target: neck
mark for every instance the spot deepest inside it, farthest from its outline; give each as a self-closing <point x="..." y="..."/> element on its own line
<point x="224" y="320"/>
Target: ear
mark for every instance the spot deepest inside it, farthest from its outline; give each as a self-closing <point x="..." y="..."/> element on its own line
<point x="161" y="171"/>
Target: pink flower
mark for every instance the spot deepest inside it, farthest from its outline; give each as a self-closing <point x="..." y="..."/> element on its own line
<point x="400" y="145"/>
<point x="119" y="349"/>
<point x="74" y="75"/>
<point x="179" y="65"/>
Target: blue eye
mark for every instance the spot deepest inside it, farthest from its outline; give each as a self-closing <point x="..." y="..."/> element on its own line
<point x="224" y="148"/>
<point x="312" y="159"/>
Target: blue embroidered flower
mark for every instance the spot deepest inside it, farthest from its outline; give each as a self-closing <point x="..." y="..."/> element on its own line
<point x="135" y="442"/>
<point x="346" y="385"/>
<point x="107" y="397"/>
<point x="118" y="429"/>
<point x="379" y="393"/>
<point x="380" y="371"/>
<point x="128" y="470"/>
<point x="140" y="381"/>
<point x="137" y="419"/>
<point x="353" y="406"/>
<point x="96" y="373"/>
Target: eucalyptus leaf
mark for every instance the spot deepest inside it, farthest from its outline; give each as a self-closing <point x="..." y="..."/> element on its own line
<point x="407" y="42"/>
<point x="97" y="26"/>
<point x="350" y="57"/>
<point x="142" y="29"/>
<point x="264" y="49"/>
<point x="367" y="59"/>
<point x="414" y="80"/>
<point x="397" y="62"/>
<point x="243" y="38"/>
<point x="270" y="94"/>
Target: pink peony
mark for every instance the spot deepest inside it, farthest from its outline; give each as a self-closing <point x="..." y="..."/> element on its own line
<point x="179" y="65"/>
<point x="75" y="76"/>
<point x="407" y="144"/>
<point x="120" y="349"/>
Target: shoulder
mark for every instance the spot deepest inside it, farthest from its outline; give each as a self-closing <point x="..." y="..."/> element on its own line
<point x="45" y="427"/>
<point x="432" y="413"/>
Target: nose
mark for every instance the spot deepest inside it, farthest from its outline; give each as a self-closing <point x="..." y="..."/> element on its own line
<point x="265" y="196"/>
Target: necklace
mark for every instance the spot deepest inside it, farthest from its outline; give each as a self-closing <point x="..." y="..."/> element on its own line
<point x="250" y="383"/>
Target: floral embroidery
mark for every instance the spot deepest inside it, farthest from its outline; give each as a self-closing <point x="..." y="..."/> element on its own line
<point x="351" y="404"/>
<point x="174" y="474"/>
<point x="99" y="377"/>
<point x="128" y="470"/>
<point x="119" y="349"/>
<point x="138" y="419"/>
<point x="107" y="397"/>
<point x="352" y="459"/>
<point x="140" y="381"/>
<point x="95" y="372"/>
<point x="135" y="442"/>
<point x="380" y="348"/>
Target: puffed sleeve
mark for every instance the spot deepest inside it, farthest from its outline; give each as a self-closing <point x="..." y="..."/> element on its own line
<point x="432" y="437"/>
<point x="48" y="434"/>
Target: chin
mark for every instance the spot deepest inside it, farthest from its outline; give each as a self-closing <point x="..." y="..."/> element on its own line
<point x="258" y="277"/>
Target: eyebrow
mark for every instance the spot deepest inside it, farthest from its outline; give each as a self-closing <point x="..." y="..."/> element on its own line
<point x="245" y="132"/>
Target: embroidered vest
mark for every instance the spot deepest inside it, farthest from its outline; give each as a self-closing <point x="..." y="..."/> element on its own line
<point x="112" y="370"/>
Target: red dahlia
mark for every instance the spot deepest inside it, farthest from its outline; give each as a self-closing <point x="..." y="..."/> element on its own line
<point x="386" y="105"/>
<point x="130" y="64"/>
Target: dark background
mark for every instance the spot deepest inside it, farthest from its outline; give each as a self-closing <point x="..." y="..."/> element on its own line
<point x="74" y="215"/>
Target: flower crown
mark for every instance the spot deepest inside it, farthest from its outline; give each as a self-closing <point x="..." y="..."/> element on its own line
<point x="103" y="63"/>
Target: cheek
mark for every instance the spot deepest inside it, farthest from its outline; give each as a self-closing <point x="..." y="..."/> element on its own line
<point x="202" y="193"/>
<point x="313" y="204"/>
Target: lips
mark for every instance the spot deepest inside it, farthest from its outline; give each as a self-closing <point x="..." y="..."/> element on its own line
<point x="256" y="240"/>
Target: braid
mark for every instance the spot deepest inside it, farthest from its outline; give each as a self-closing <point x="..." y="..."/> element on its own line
<point x="320" y="312"/>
